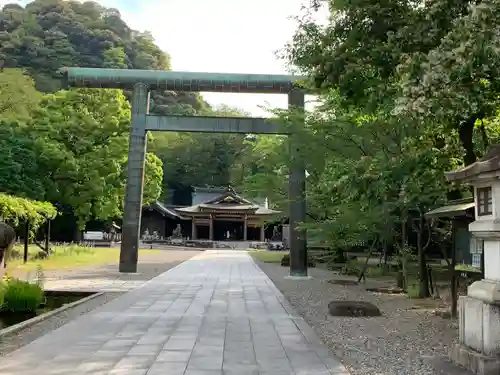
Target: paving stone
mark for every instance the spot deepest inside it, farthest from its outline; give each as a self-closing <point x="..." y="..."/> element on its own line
<point x="147" y="350"/>
<point x="167" y="368"/>
<point x="174" y="356"/>
<point x="215" y="314"/>
<point x="193" y="371"/>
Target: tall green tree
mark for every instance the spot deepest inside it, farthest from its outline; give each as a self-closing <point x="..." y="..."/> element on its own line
<point x="18" y="96"/>
<point x="82" y="138"/>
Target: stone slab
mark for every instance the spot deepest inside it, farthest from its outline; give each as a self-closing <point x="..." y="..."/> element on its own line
<point x="216" y="313"/>
<point x="475" y="362"/>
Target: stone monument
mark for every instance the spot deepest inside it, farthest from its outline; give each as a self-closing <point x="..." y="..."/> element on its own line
<point x="479" y="312"/>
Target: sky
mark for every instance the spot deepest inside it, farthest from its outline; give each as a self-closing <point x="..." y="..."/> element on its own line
<point x="220" y="36"/>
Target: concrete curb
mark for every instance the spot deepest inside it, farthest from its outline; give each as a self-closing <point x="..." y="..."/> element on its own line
<point x="27" y="323"/>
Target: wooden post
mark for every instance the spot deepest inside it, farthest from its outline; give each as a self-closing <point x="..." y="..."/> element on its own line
<point x="453" y="274"/>
<point x="262" y="233"/>
<point x="47" y="238"/>
<point x="211" y="228"/>
<point x="245" y="225"/>
<point x="193" y="230"/>
<point x="26" y="241"/>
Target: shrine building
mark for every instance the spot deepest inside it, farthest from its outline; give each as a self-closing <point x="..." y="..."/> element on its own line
<point x="215" y="214"/>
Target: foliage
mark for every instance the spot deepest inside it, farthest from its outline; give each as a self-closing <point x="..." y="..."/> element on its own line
<point x="22" y="296"/>
<point x="47" y="35"/>
<point x="44" y="36"/>
<point x="3" y="289"/>
<point x="19" y="165"/>
<point x="82" y="140"/>
<point x="14" y="209"/>
<point x="18" y="96"/>
<point x="267" y="256"/>
<point x="198" y="159"/>
<point x="408" y="92"/>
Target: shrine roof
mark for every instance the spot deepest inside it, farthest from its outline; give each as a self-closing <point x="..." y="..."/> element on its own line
<point x="228" y="202"/>
<point x="166" y="211"/>
<point x="490" y="162"/>
<point x="453" y="209"/>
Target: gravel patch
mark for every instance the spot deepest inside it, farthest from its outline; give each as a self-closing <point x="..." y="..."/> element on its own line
<point x="151" y="266"/>
<point x="401" y="342"/>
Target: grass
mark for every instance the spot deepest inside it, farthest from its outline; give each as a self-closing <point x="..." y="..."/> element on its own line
<point x="467" y="268"/>
<point x="267" y="256"/>
<point x="65" y="257"/>
<point x="440" y="272"/>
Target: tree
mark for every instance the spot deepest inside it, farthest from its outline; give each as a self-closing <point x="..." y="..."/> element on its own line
<point x="192" y="159"/>
<point x="409" y="92"/>
<point x="45" y="36"/>
<point x="18" y="96"/>
<point x="414" y="60"/>
<point x="82" y="138"/>
<point x="19" y="164"/>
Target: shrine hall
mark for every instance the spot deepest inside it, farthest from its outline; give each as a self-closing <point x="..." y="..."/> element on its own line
<point x="226" y="216"/>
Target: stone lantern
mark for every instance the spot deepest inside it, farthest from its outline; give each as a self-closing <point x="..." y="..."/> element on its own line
<point x="479" y="311"/>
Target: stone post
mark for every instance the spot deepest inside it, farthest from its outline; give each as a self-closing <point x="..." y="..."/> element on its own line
<point x="135" y="180"/>
<point x="297" y="196"/>
<point x="262" y="233"/>
<point x="478" y="349"/>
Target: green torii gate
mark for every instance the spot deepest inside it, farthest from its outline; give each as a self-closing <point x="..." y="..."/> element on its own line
<point x="141" y="82"/>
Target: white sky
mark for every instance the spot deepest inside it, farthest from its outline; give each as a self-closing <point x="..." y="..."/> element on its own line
<point x="227" y="36"/>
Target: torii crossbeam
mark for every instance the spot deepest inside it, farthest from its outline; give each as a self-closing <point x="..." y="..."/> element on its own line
<point x="141" y="82"/>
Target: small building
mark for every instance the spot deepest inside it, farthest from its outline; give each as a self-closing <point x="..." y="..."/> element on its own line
<point x="162" y="219"/>
<point x="219" y="215"/>
<point x="461" y="213"/>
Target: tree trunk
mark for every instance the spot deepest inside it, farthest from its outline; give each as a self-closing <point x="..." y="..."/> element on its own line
<point x="424" y="277"/>
<point x="466" y="132"/>
<point x="400" y="278"/>
<point x="365" y="266"/>
<point x="422" y="262"/>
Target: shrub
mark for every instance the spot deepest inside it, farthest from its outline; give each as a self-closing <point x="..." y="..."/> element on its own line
<point x="2" y="292"/>
<point x="351" y="268"/>
<point x="378" y="271"/>
<point x="22" y="296"/>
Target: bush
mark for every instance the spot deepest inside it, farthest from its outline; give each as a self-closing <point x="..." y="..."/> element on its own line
<point x="21" y="296"/>
<point x="351" y="268"/>
<point x="2" y="292"/>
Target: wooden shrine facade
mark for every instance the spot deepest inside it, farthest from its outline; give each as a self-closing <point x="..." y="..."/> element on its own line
<point x="228" y="217"/>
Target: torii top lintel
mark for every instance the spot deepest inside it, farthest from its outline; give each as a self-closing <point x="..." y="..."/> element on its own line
<point x="181" y="81"/>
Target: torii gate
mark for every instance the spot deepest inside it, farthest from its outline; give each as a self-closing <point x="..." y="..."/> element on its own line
<point x="141" y="82"/>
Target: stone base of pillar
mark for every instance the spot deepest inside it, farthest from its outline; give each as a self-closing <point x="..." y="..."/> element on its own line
<point x="127" y="268"/>
<point x="474" y="361"/>
<point x="298" y="277"/>
<point x="479" y="329"/>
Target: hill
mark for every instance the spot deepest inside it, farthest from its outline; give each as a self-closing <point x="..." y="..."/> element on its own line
<point x="48" y="34"/>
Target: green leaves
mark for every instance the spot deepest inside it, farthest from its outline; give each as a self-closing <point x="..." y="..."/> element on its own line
<point x="14" y="209"/>
<point x="82" y="139"/>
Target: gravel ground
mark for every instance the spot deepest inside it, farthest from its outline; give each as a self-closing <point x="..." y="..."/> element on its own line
<point x="150" y="265"/>
<point x="401" y="342"/>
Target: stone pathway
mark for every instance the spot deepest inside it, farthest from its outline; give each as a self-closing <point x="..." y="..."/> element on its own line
<point x="106" y="278"/>
<point x="215" y="314"/>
